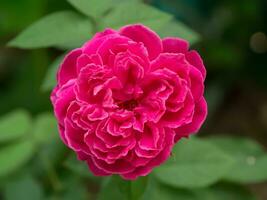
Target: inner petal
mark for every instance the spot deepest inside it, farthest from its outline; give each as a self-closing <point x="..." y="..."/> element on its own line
<point x="128" y="105"/>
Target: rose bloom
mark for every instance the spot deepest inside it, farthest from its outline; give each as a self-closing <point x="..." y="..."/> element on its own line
<point x="126" y="97"/>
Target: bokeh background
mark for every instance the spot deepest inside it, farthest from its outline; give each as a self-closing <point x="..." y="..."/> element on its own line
<point x="234" y="47"/>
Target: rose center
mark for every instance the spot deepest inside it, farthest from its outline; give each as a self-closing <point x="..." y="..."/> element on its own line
<point x="128" y="105"/>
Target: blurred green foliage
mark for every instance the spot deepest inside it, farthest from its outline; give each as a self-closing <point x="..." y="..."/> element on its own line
<point x="231" y="37"/>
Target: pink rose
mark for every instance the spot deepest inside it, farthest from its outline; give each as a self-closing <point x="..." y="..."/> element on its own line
<point x="125" y="97"/>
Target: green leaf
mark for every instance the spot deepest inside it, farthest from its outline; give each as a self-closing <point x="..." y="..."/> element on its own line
<point x="61" y="29"/>
<point x="251" y="159"/>
<point x="159" y="191"/>
<point x="96" y="8"/>
<point x="14" y="125"/>
<point x="92" y="8"/>
<point x="23" y="188"/>
<point x="15" y="156"/>
<point x="45" y="128"/>
<point x="253" y="170"/>
<point x="131" y="13"/>
<point x="238" y="145"/>
<point x="175" y="28"/>
<point x="50" y="78"/>
<point x="223" y="192"/>
<point x="194" y="163"/>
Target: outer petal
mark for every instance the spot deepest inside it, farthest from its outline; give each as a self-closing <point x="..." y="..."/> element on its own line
<point x="61" y="99"/>
<point x="96" y="171"/>
<point x="175" y="45"/>
<point x="197" y="83"/>
<point x="75" y="137"/>
<point x="194" y="59"/>
<point x="159" y="159"/>
<point x="120" y="166"/>
<point x="67" y="69"/>
<point x="175" y="62"/>
<point x="62" y="134"/>
<point x="82" y="156"/>
<point x="199" y="117"/>
<point x="149" y="38"/>
<point x="183" y="116"/>
<point x="92" y="45"/>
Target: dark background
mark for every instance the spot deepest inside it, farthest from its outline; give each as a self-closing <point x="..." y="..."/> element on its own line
<point x="233" y="45"/>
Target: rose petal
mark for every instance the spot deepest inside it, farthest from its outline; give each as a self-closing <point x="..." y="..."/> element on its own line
<point x="175" y="45"/>
<point x="84" y="60"/>
<point x="61" y="99"/>
<point x="96" y="171"/>
<point x="197" y="83"/>
<point x="174" y="62"/>
<point x="75" y="137"/>
<point x="149" y="38"/>
<point x="92" y="45"/>
<point x="112" y="45"/>
<point x="194" y="58"/>
<point x="120" y="166"/>
<point x="67" y="69"/>
<point x="199" y="117"/>
<point x="159" y="159"/>
<point x="184" y="115"/>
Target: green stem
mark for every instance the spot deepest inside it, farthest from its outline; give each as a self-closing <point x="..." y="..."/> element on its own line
<point x="132" y="190"/>
<point x="52" y="175"/>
